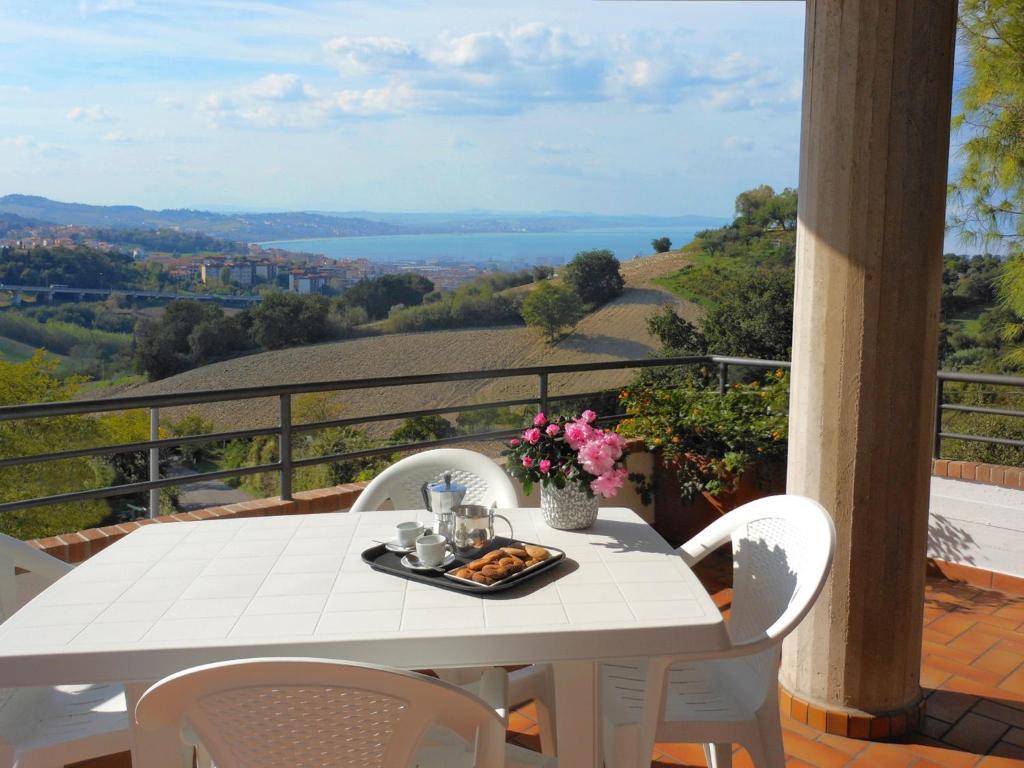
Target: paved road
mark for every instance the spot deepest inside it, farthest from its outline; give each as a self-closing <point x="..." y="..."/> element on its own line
<point x="205" y="493"/>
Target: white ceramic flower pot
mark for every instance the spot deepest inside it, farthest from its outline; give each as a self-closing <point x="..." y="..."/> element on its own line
<point x="569" y="509"/>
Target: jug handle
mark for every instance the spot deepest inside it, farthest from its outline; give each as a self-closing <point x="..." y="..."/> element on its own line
<point x="426" y="495"/>
<point x="511" y="532"/>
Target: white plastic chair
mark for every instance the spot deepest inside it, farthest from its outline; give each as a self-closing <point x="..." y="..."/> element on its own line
<point x="402" y="482"/>
<point x="782" y="551"/>
<point x="47" y="727"/>
<point x="486" y="482"/>
<point x="310" y="713"/>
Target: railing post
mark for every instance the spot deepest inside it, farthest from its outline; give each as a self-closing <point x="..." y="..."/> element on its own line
<point x="285" y="447"/>
<point x="543" y="377"/>
<point x="939" y="387"/>
<point x="154" y="462"/>
<point x="723" y="377"/>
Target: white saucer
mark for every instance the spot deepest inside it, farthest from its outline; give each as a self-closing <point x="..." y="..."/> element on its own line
<point x="412" y="562"/>
<point x="394" y="546"/>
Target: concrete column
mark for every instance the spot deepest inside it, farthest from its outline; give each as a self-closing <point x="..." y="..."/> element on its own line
<point x="873" y="162"/>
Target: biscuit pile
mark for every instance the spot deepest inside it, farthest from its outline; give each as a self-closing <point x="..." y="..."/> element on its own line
<point x="502" y="563"/>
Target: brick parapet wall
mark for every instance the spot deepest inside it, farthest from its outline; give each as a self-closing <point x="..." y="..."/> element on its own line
<point x="81" y="545"/>
<point x="978" y="472"/>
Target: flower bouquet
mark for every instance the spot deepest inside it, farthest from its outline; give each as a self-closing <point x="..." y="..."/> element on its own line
<point x="573" y="461"/>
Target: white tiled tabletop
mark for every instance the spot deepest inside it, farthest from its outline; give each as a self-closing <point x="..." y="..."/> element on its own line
<point x="170" y="596"/>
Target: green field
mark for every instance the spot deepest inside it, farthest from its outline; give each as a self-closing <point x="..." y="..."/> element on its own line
<point x="705" y="279"/>
<point x="16" y="352"/>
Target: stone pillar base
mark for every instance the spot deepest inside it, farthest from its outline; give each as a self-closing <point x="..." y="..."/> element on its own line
<point x="852" y="723"/>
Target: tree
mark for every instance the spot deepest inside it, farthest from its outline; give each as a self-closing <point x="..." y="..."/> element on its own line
<point x="421" y="428"/>
<point x="594" y="276"/>
<point x="661" y="244"/>
<point x="988" y="193"/>
<point x="750" y="203"/>
<point x="677" y="335"/>
<point x="755" y="318"/>
<point x="377" y="295"/>
<point x="290" y="320"/>
<point x="1011" y="294"/>
<point x="551" y="307"/>
<point x="163" y="347"/>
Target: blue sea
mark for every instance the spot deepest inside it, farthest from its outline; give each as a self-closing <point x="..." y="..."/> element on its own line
<point x="511" y="249"/>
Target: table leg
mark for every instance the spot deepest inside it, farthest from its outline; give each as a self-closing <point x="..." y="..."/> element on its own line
<point x="578" y="714"/>
<point x="153" y="748"/>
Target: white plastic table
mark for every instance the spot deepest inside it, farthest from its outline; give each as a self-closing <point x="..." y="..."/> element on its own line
<point x="171" y="596"/>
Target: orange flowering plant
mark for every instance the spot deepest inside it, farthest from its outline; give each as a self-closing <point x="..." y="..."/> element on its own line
<point x="708" y="438"/>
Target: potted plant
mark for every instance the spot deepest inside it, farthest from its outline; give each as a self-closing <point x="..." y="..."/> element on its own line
<point x="574" y="462"/>
<point x="712" y="451"/>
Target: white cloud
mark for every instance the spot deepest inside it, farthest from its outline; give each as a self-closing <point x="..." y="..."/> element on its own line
<point x="373" y="54"/>
<point x="38" y="149"/>
<point x="93" y="114"/>
<point x="283" y="87"/>
<point x="389" y="100"/>
<point x="119" y="137"/>
<point x="475" y="50"/>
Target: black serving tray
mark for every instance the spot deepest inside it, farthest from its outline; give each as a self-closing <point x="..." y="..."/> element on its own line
<point x="380" y="559"/>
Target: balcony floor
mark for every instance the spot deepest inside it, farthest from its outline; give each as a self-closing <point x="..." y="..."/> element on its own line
<point x="972" y="672"/>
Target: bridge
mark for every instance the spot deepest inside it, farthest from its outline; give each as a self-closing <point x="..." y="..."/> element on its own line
<point x="51" y="291"/>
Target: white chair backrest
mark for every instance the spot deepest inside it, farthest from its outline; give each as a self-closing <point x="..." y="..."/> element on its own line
<point x="19" y="713"/>
<point x="310" y="713"/>
<point x="782" y="552"/>
<point x="402" y="482"/>
<point x="17" y="554"/>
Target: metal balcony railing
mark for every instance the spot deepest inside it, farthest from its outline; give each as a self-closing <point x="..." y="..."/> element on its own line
<point x="286" y="429"/>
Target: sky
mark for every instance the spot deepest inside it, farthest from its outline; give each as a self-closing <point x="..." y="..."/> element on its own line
<point x="610" y="107"/>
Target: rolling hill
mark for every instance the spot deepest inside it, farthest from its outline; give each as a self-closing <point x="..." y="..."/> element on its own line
<point x="616" y="330"/>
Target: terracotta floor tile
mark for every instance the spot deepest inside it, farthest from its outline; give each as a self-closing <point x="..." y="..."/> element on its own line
<point x="931" y="677"/>
<point x="688" y="754"/>
<point x="999" y="661"/>
<point x="973" y="644"/>
<point x="849" y="746"/>
<point x="885" y="756"/>
<point x="973" y="688"/>
<point x="1006" y="749"/>
<point x="953" y="624"/>
<point x="1015" y="736"/>
<point x="1001" y="712"/>
<point x="951" y="757"/>
<point x="813" y="752"/>
<point x="934" y="728"/>
<point x="994" y="761"/>
<point x="948" y="706"/>
<point x="974" y="733"/>
<point x="960" y="669"/>
<point x="1014" y="683"/>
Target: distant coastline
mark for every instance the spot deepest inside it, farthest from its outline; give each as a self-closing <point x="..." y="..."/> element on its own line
<point x="502" y="248"/>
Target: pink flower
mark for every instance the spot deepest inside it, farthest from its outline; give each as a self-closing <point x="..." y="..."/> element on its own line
<point x="545" y="466"/>
<point x="553" y="429"/>
<point x="596" y="457"/>
<point x="532" y="436"/>
<point x="514" y="442"/>
<point x="608" y="484"/>
<point x="527" y="462"/>
<point x="540" y="420"/>
<point x="577" y="433"/>
<point x="616" y="442"/>
<point x="588" y="416"/>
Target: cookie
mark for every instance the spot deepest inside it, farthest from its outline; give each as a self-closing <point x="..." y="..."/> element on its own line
<point x="490" y="557"/>
<point x="515" y="552"/>
<point x="494" y="571"/>
<point x="463" y="573"/>
<point x="537" y="553"/>
<point x="530" y="562"/>
<point x="481" y="579"/>
<point x="510" y="561"/>
<point x="476" y="565"/>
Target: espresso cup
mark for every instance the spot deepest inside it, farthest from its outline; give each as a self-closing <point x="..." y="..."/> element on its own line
<point x="407" y="533"/>
<point x="431" y="549"/>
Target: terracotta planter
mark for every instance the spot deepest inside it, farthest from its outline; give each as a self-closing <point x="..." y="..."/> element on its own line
<point x="677" y="520"/>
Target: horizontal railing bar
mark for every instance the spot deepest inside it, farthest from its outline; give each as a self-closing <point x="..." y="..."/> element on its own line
<point x="982" y="378"/>
<point x="169" y="442"/>
<point x="403" y="447"/>
<point x="751" y="362"/>
<point x="980" y="409"/>
<point x="129" y="488"/>
<point x="72" y="407"/>
<point x="316" y="425"/>
<point x="982" y="439"/>
<point x="366" y="453"/>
